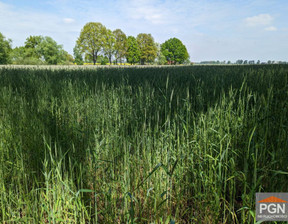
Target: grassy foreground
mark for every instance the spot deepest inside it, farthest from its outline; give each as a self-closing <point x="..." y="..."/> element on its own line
<point x="141" y="145"/>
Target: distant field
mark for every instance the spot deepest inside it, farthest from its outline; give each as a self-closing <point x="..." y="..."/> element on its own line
<point x="134" y="144"/>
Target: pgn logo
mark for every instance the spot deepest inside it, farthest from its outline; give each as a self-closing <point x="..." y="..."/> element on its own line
<point x="271" y="206"/>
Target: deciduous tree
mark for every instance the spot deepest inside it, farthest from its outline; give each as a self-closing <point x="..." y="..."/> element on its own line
<point x="78" y="57"/>
<point x="32" y="45"/>
<point x="133" y="51"/>
<point x="109" y="44"/>
<point x="147" y="47"/>
<point x="160" y="59"/>
<point x="40" y="50"/>
<point x="5" y="49"/>
<point x="22" y="56"/>
<point x="92" y="39"/>
<point x="174" y="51"/>
<point x="120" y="44"/>
<point x="239" y="62"/>
<point x="51" y="51"/>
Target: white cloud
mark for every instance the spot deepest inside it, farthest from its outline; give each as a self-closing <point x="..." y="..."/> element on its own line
<point x="271" y="28"/>
<point x="259" y="20"/>
<point x="68" y="20"/>
<point x="146" y="10"/>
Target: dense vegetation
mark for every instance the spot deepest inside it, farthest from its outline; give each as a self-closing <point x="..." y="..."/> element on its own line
<point x="174" y="51"/>
<point x="40" y="50"/>
<point x="141" y="145"/>
<point x="5" y="49"/>
<point x="95" y="39"/>
<point x="96" y="44"/>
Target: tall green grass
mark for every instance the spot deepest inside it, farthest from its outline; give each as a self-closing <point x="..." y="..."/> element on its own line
<point x="141" y="145"/>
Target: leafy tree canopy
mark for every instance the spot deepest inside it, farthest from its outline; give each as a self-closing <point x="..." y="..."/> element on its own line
<point x="174" y="51"/>
<point x="133" y="52"/>
<point x="92" y="39"/>
<point x="51" y="51"/>
<point x="32" y="44"/>
<point x="147" y="47"/>
<point x="109" y="44"/>
<point x="160" y="59"/>
<point x="120" y="44"/>
<point x="41" y="50"/>
<point x="5" y="49"/>
<point x="78" y="57"/>
<point x="22" y="56"/>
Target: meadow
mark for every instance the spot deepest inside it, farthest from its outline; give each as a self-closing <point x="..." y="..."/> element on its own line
<point x="163" y="144"/>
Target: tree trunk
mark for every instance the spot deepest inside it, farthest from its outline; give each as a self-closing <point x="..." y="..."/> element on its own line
<point x="110" y="59"/>
<point x="94" y="59"/>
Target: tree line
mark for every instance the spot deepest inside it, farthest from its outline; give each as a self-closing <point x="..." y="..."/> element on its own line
<point x="37" y="50"/>
<point x="95" y="44"/>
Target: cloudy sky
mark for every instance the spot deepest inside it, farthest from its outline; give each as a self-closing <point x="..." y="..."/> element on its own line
<point x="211" y="29"/>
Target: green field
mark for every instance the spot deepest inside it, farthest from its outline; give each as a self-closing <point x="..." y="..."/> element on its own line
<point x="171" y="144"/>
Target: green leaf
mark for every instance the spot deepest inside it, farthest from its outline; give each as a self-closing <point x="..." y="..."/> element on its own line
<point x="84" y="191"/>
<point x="155" y="168"/>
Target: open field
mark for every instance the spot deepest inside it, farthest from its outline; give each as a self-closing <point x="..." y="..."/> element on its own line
<point x="183" y="144"/>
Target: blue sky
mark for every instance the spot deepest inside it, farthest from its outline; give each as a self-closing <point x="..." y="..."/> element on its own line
<point x="211" y="30"/>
